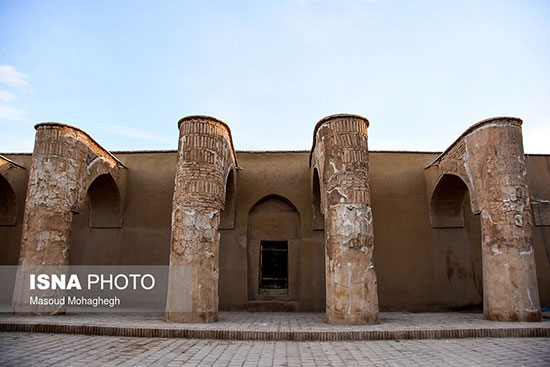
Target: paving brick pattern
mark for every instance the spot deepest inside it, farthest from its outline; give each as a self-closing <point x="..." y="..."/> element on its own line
<point x="25" y="349"/>
<point x="280" y="326"/>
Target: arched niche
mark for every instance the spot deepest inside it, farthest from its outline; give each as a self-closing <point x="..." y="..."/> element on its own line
<point x="274" y="217"/>
<point x="317" y="213"/>
<point x="227" y="216"/>
<point x="446" y="205"/>
<point x="104" y="203"/>
<point x="273" y="251"/>
<point x="8" y="206"/>
<point x="457" y="249"/>
<point x="96" y="236"/>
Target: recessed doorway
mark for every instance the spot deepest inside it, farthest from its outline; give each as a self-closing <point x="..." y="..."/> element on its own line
<point x="274" y="265"/>
<point x="273" y="254"/>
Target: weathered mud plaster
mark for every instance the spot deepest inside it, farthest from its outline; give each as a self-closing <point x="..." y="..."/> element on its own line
<point x="205" y="157"/>
<point x="489" y="158"/>
<point x="7" y="164"/>
<point x="340" y="156"/>
<point x="65" y="161"/>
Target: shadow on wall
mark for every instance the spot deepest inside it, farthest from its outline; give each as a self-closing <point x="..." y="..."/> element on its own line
<point x="97" y="229"/>
<point x="105" y="203"/>
<point x="9" y="232"/>
<point x="457" y="246"/>
<point x="318" y="219"/>
<point x="227" y="216"/>
<point x="273" y="243"/>
<point x="8" y="206"/>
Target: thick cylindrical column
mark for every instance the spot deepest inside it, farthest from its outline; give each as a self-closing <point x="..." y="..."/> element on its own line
<point x="351" y="291"/>
<point x="54" y="189"/>
<point x="496" y="163"/>
<point x="64" y="161"/>
<point x="204" y="158"/>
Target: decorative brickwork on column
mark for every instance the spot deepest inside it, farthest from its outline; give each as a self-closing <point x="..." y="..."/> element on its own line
<point x="205" y="158"/>
<point x="65" y="162"/>
<point x="340" y="156"/>
<point x="489" y="158"/>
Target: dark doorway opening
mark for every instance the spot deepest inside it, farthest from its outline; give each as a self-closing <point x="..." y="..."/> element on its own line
<point x="274" y="265"/>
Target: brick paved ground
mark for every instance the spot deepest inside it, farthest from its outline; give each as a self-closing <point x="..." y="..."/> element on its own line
<point x="27" y="349"/>
<point x="278" y="326"/>
<point x="282" y="321"/>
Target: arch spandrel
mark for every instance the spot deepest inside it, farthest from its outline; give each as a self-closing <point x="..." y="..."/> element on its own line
<point x="99" y="167"/>
<point x="10" y="170"/>
<point x="6" y="165"/>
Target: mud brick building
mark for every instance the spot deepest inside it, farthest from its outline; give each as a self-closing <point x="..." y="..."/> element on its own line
<point x="339" y="229"/>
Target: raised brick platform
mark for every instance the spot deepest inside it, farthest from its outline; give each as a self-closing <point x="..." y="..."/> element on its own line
<point x="279" y="326"/>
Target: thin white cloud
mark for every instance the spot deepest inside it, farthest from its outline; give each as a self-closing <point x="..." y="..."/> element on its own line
<point x="10" y="113"/>
<point x="131" y="132"/>
<point x="13" y="78"/>
<point x="6" y="97"/>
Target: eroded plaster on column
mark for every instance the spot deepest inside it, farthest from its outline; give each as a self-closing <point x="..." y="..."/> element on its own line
<point x="205" y="156"/>
<point x="340" y="154"/>
<point x="489" y="158"/>
<point x="65" y="161"/>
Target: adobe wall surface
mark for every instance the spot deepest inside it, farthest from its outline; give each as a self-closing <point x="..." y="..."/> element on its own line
<point x="286" y="175"/>
<point x="418" y="267"/>
<point x="144" y="238"/>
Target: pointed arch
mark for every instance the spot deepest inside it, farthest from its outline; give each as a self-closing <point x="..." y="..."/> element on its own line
<point x="105" y="203"/>
<point x="273" y="243"/>
<point x="446" y="204"/>
<point x="273" y="197"/>
<point x="274" y="216"/>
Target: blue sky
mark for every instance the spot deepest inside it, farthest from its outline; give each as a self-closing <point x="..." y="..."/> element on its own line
<point x="420" y="71"/>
